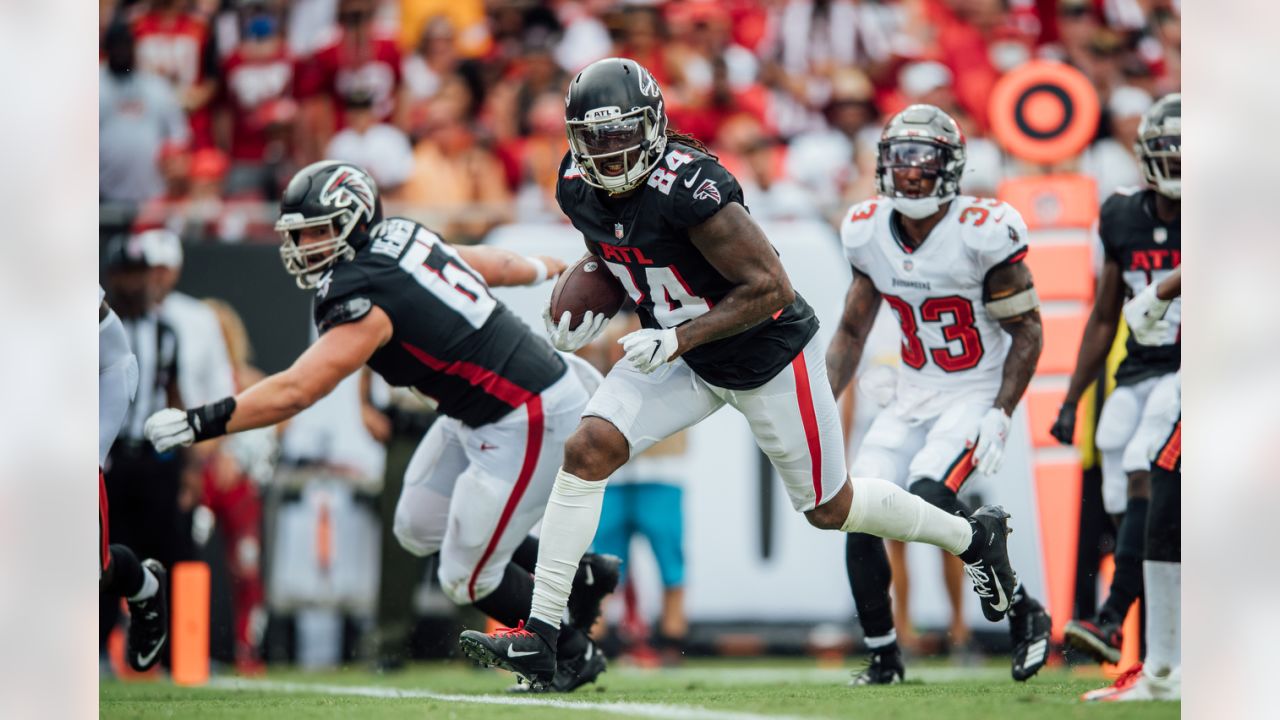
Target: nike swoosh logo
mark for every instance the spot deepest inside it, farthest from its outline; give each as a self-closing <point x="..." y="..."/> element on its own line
<point x="1004" y="601"/>
<point x="689" y="183"/>
<point x="591" y="578"/>
<point x="487" y="446"/>
<point x="143" y="660"/>
<point x="511" y="652"/>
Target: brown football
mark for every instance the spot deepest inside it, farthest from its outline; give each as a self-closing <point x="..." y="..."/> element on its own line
<point x="586" y="285"/>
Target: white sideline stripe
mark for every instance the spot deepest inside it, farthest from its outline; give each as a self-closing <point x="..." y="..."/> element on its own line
<point x="648" y="710"/>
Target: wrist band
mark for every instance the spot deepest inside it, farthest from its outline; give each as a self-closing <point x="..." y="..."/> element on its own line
<point x="539" y="268"/>
<point x="210" y="421"/>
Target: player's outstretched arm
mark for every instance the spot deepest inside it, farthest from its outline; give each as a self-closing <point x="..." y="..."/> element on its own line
<point x="737" y="248"/>
<point x="342" y="350"/>
<point x="500" y="267"/>
<point x="845" y="352"/>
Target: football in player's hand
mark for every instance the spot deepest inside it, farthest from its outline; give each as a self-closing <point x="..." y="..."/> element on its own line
<point x="586" y="285"/>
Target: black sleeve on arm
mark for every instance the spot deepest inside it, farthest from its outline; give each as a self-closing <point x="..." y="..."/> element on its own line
<point x="345" y="297"/>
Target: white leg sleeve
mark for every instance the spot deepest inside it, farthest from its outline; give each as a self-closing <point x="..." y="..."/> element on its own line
<point x="1164" y="616"/>
<point x="883" y="509"/>
<point x="573" y="513"/>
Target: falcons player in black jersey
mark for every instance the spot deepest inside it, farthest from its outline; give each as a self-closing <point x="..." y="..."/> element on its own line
<point x="721" y="326"/>
<point x="394" y="295"/>
<point x="1141" y="233"/>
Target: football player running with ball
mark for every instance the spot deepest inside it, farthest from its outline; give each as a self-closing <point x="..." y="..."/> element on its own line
<point x="950" y="266"/>
<point x="393" y="295"/>
<point x="1141" y="234"/>
<point x="721" y="326"/>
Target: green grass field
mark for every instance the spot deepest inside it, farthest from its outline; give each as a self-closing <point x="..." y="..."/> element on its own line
<point x="703" y="690"/>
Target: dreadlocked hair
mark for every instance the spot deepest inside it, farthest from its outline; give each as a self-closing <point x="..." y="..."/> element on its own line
<point x="691" y="141"/>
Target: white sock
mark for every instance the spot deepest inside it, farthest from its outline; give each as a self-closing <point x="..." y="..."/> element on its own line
<point x="883" y="509"/>
<point x="150" y="585"/>
<point x="573" y="513"/>
<point x="1163" y="595"/>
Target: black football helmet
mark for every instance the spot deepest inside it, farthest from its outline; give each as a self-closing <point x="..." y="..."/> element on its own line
<point x="616" y="123"/>
<point x="1159" y="145"/>
<point x="924" y="137"/>
<point x="333" y="194"/>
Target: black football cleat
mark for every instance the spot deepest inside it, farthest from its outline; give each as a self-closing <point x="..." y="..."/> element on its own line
<point x="1100" y="640"/>
<point x="992" y="576"/>
<point x="884" y="668"/>
<point x="517" y="650"/>
<point x="597" y="576"/>
<point x="1030" y="632"/>
<point x="148" y="623"/>
<point x="573" y="673"/>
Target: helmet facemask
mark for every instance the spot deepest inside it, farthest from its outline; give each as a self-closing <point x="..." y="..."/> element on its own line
<point x="1161" y="156"/>
<point x="933" y="159"/>
<point x="616" y="151"/>
<point x="307" y="262"/>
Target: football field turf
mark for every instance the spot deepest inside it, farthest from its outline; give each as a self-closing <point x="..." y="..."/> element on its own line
<point x="702" y="690"/>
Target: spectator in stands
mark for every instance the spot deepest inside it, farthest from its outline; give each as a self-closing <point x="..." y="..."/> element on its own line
<point x="585" y="38"/>
<point x="138" y="114"/>
<point x="174" y="44"/>
<point x="453" y="173"/>
<point x="537" y="158"/>
<point x="434" y="58"/>
<point x="1110" y="161"/>
<point x="471" y="37"/>
<point x="837" y="164"/>
<point x="759" y="162"/>
<point x="356" y="55"/>
<point x="256" y="109"/>
<point x="380" y="148"/>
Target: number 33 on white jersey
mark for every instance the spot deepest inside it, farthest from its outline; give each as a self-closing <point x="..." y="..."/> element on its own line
<point x="949" y="342"/>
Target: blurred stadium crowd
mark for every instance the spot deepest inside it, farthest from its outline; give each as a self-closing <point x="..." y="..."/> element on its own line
<point x="206" y="107"/>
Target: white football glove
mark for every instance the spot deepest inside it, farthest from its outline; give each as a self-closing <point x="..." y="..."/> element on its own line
<point x="648" y="349"/>
<point x="1145" y="315"/>
<point x="989" y="454"/>
<point x="169" y="428"/>
<point x="567" y="340"/>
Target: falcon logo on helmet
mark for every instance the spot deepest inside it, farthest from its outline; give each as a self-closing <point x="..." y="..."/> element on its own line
<point x="337" y="196"/>
<point x="923" y="138"/>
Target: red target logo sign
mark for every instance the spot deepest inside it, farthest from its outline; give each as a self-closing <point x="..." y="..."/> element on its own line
<point x="1044" y="112"/>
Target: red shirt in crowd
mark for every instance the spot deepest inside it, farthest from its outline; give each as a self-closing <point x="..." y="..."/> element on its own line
<point x="338" y="67"/>
<point x="257" y="88"/>
<point x="173" y="47"/>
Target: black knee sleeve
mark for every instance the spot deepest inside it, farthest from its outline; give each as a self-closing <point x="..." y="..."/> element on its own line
<point x="509" y="603"/>
<point x="939" y="496"/>
<point x="869" y="575"/>
<point x="526" y="554"/>
<point x="1164" y="516"/>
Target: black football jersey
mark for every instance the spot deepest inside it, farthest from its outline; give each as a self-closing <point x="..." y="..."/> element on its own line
<point x="453" y="341"/>
<point x="1147" y="251"/>
<point x="644" y="240"/>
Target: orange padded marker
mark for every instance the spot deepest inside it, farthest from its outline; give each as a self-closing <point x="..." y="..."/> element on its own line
<point x="189" y="625"/>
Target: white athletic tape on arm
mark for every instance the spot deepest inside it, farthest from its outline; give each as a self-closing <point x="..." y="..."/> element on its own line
<point x="1014" y="305"/>
<point x="539" y="270"/>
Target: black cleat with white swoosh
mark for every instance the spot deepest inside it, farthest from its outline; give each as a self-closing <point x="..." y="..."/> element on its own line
<point x="517" y="650"/>
<point x="597" y="576"/>
<point x="148" y="623"/>
<point x="992" y="576"/>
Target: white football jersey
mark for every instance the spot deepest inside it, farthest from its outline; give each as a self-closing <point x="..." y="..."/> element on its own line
<point x="949" y="342"/>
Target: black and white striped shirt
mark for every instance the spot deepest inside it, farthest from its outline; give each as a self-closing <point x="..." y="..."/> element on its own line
<point x="156" y="346"/>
